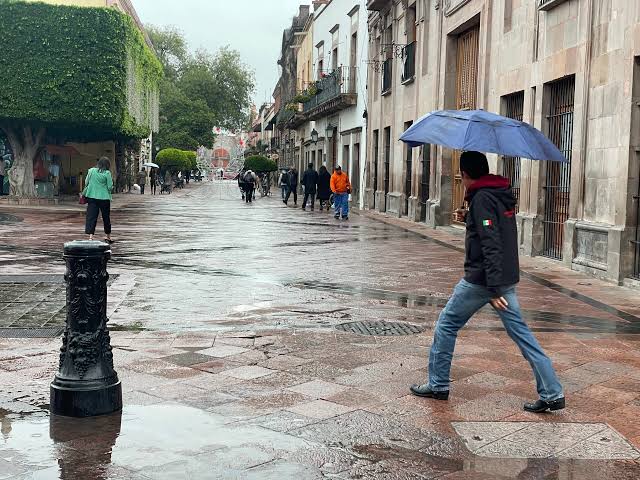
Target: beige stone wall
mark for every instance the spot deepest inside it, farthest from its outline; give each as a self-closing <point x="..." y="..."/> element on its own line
<point x="523" y="49"/>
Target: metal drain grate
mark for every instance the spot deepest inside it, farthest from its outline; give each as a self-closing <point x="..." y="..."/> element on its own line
<point x="6" y="218"/>
<point x="45" y="332"/>
<point x="380" y="328"/>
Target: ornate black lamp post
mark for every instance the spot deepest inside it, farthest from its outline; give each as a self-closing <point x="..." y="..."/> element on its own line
<point x="86" y="384"/>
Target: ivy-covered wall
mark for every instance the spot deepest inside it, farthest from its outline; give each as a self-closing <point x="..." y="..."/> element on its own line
<point x="85" y="71"/>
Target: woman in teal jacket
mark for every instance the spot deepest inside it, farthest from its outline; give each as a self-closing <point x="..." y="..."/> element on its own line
<point x="97" y="191"/>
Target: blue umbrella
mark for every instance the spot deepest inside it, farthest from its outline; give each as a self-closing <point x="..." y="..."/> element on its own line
<point x="482" y="131"/>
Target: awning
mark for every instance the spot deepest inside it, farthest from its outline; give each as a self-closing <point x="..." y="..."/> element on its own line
<point x="62" y="150"/>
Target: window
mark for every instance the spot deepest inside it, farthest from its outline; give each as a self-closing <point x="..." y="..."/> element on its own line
<point x="409" y="52"/>
<point x="408" y="170"/>
<point x="425" y="181"/>
<point x="376" y="156"/>
<point x="387" y="161"/>
<point x="558" y="175"/>
<point x="334" y="59"/>
<point x="512" y="107"/>
<point x="508" y="15"/>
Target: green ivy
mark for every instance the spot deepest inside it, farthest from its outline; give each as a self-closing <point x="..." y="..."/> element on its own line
<point x="81" y="72"/>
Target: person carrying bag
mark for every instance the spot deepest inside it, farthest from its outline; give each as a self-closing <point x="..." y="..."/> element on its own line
<point x="97" y="196"/>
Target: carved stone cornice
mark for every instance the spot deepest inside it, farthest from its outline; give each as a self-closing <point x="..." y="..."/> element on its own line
<point x="452" y="6"/>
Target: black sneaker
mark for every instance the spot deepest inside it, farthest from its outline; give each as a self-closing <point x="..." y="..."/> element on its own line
<point x="337" y="217"/>
<point x="425" y="391"/>
<point x="541" y="406"/>
<point x="345" y="218"/>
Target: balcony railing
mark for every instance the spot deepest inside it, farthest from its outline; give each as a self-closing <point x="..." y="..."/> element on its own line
<point x="549" y="4"/>
<point x="336" y="90"/>
<point x="387" y="74"/>
<point x="409" y="60"/>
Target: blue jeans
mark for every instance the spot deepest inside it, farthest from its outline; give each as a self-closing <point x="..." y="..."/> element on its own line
<point x="284" y="189"/>
<point x="341" y="202"/>
<point x="467" y="299"/>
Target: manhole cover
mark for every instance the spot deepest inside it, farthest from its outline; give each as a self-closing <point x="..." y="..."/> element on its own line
<point x="45" y="332"/>
<point x="380" y="328"/>
<point x="6" y="218"/>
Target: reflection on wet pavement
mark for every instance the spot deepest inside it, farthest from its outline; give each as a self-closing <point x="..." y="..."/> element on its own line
<point x="225" y="340"/>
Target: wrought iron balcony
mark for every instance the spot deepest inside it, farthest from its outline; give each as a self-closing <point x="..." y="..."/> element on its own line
<point x="409" y="60"/>
<point x="336" y="91"/>
<point x="376" y="5"/>
<point x="549" y="4"/>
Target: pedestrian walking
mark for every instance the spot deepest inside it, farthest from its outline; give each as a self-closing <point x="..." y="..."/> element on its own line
<point x="293" y="187"/>
<point x="97" y="191"/>
<point x="153" y="180"/>
<point x="324" y="187"/>
<point x="309" y="183"/>
<point x="168" y="186"/>
<point x="341" y="188"/>
<point x="142" y="180"/>
<point x="283" y="182"/>
<point x="491" y="274"/>
<point x="249" y="179"/>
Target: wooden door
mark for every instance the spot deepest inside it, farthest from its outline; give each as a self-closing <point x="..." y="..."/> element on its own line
<point x="466" y="97"/>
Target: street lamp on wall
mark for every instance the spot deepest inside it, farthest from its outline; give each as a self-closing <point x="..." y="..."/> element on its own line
<point x="329" y="131"/>
<point x="314" y="136"/>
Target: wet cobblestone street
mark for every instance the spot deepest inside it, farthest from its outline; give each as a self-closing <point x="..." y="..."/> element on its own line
<point x="232" y="335"/>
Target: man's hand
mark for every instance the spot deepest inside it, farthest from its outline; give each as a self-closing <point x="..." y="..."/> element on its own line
<point x="499" y="303"/>
<point x="460" y="215"/>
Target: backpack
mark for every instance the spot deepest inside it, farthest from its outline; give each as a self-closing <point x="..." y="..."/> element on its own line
<point x="248" y="178"/>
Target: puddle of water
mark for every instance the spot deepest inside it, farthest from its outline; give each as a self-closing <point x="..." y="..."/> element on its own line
<point x="140" y="437"/>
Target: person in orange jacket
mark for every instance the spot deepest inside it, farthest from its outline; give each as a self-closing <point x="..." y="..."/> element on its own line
<point x="341" y="188"/>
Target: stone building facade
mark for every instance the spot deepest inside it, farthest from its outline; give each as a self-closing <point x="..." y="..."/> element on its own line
<point x="569" y="67"/>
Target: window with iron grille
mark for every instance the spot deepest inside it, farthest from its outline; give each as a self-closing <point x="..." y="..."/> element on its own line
<point x="408" y="172"/>
<point x="376" y="157"/>
<point x="387" y="161"/>
<point x="513" y="106"/>
<point x="558" y="175"/>
<point x="425" y="180"/>
<point x="636" y="241"/>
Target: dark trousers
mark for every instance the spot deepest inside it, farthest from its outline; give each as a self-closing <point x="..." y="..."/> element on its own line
<point x="291" y="190"/>
<point x="313" y="200"/>
<point x="153" y="187"/>
<point x="248" y="192"/>
<point x="142" y="189"/>
<point x="93" y="208"/>
<point x="1" y="182"/>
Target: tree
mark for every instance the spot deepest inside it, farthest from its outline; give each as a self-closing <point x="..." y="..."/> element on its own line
<point x="259" y="163"/>
<point x="71" y="74"/>
<point x="201" y="91"/>
<point x="172" y="159"/>
<point x="185" y="122"/>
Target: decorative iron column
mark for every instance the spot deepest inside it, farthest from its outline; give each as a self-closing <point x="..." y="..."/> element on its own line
<point x="86" y="383"/>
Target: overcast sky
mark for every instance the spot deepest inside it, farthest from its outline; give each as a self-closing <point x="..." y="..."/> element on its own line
<point x="253" y="27"/>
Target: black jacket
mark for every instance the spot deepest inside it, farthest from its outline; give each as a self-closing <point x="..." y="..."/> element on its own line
<point x="324" y="186"/>
<point x="491" y="243"/>
<point x="309" y="180"/>
<point x="293" y="178"/>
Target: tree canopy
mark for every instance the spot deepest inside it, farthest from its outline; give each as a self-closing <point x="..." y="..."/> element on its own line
<point x="176" y="160"/>
<point x="200" y="91"/>
<point x="258" y="163"/>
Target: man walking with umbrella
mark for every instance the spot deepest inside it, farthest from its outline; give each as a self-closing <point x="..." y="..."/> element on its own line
<point x="491" y="273"/>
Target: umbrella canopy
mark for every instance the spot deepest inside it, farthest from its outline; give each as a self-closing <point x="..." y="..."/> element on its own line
<point x="478" y="130"/>
<point x="150" y="164"/>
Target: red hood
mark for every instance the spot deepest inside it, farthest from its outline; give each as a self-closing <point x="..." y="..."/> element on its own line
<point x="488" y="181"/>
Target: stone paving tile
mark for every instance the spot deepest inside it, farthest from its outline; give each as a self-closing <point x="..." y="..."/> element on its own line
<point x="222" y="351"/>
<point x="187" y="359"/>
<point x="320" y="409"/>
<point x="603" y="445"/>
<point x="319" y="389"/>
<point x="478" y="434"/>
<point x="282" y="421"/>
<point x="248" y="372"/>
<point x="282" y="362"/>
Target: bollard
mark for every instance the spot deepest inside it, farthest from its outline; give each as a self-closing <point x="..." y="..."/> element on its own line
<point x="86" y="384"/>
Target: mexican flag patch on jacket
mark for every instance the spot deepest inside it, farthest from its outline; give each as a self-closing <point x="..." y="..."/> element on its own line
<point x="487" y="223"/>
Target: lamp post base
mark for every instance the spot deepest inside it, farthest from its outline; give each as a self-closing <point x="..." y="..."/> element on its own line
<point x="85" y="402"/>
